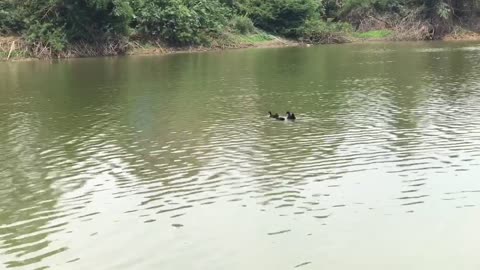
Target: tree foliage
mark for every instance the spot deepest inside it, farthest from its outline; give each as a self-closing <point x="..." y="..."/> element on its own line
<point x="181" y="22"/>
<point x="280" y="16"/>
<point x="432" y="9"/>
<point x="58" y="23"/>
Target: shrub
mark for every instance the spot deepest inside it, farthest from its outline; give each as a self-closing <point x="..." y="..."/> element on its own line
<point x="280" y="16"/>
<point x="54" y="23"/>
<point x="182" y="22"/>
<point x="8" y="20"/>
<point x="243" y="24"/>
<point x="374" y="34"/>
<point x="47" y="35"/>
<point x="318" y="31"/>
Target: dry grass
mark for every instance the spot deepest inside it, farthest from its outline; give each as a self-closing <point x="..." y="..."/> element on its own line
<point x="386" y="27"/>
<point x="412" y="27"/>
<point x="402" y="28"/>
<point x="12" y="48"/>
<point x="15" y="47"/>
<point x="83" y="49"/>
<point x="462" y="35"/>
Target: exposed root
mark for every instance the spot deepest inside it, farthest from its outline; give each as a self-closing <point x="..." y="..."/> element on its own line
<point x="83" y="49"/>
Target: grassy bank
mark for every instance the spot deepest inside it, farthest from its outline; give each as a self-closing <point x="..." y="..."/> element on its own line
<point x="15" y="48"/>
<point x="65" y="28"/>
<point x="228" y="40"/>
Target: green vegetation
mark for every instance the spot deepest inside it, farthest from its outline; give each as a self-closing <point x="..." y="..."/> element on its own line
<point x="282" y="17"/>
<point x="251" y="38"/>
<point x="243" y="25"/>
<point x="181" y="22"/>
<point x="406" y="19"/>
<point x="14" y="55"/>
<point x="374" y="34"/>
<point x="318" y="31"/>
<point x="52" y="28"/>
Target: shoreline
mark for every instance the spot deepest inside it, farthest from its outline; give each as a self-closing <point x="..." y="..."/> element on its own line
<point x="275" y="42"/>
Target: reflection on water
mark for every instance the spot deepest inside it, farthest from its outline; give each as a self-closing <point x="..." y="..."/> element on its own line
<point x="171" y="162"/>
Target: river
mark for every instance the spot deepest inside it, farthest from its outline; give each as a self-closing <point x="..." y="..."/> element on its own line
<point x="171" y="162"/>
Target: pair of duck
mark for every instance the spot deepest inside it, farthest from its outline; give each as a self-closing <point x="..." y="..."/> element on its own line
<point x="290" y="116"/>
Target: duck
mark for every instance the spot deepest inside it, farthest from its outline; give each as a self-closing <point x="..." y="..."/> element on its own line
<point x="276" y="116"/>
<point x="272" y="115"/>
<point x="291" y="116"/>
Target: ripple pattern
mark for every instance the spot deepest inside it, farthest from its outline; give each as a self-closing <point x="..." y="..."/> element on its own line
<point x="371" y="139"/>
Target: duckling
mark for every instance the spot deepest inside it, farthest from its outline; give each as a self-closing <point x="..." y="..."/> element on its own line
<point x="291" y="116"/>
<point x="276" y="116"/>
<point x="272" y="115"/>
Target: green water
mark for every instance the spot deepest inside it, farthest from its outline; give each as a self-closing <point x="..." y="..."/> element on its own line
<point x="171" y="162"/>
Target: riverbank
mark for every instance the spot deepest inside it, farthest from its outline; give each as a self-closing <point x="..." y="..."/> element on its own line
<point x="15" y="49"/>
<point x="229" y="41"/>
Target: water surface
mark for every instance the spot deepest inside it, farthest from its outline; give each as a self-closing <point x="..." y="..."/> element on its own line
<point x="170" y="162"/>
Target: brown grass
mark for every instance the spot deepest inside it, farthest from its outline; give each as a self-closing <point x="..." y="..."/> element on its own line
<point x="15" y="47"/>
<point x="471" y="36"/>
<point x="12" y="47"/>
<point x="409" y="27"/>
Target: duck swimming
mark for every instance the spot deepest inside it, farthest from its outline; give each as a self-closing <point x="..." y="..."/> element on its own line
<point x="276" y="116"/>
<point x="272" y="115"/>
<point x="291" y="116"/>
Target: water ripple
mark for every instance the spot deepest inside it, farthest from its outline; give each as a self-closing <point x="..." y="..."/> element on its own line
<point x="374" y="139"/>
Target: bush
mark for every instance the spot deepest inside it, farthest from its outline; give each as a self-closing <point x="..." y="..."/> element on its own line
<point x="96" y="20"/>
<point x="47" y="35"/>
<point x="56" y="23"/>
<point x="8" y="22"/>
<point x="59" y="24"/>
<point x="374" y="34"/>
<point x="280" y="16"/>
<point x="243" y="25"/>
<point x="318" y="31"/>
<point x="182" y="22"/>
